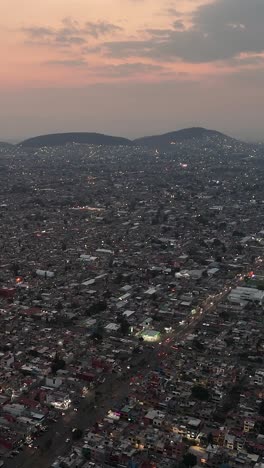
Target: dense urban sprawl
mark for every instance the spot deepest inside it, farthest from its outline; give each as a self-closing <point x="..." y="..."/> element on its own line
<point x="131" y="306"/>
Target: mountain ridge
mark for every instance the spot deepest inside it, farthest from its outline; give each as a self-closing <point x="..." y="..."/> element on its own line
<point x="60" y="139"/>
<point x="163" y="140"/>
<point x="180" y="136"/>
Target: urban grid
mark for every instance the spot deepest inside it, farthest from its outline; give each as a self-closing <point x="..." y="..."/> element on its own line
<point x="131" y="305"/>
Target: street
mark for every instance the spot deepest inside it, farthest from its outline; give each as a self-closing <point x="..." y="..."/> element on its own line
<point x="112" y="390"/>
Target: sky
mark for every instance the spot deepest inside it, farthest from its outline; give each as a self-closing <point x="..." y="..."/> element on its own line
<point x="131" y="67"/>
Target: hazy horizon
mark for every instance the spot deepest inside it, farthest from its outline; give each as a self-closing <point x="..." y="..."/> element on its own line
<point x="243" y="136"/>
<point x="132" y="67"/>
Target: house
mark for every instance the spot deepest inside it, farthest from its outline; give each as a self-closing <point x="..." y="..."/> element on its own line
<point x="58" y="400"/>
<point x="230" y="441"/>
<point x="244" y="295"/>
<point x="45" y="273"/>
<point x="54" y="382"/>
<point x="6" y="360"/>
<point x="259" y="377"/>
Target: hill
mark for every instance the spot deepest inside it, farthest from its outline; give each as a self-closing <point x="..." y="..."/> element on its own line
<point x="195" y="135"/>
<point x="191" y="134"/>
<point x="6" y="145"/>
<point x="60" y="139"/>
<point x="5" y="148"/>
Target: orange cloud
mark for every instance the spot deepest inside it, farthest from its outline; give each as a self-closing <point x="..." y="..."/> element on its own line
<point x="113" y="40"/>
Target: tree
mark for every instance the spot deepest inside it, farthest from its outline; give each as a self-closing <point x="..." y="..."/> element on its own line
<point x="59" y="306"/>
<point x="238" y="234"/>
<point x="210" y="438"/>
<point x="158" y="318"/>
<point x="97" y="336"/>
<point x="48" y="444"/>
<point x="261" y="408"/>
<point x="100" y="306"/>
<point x="57" y="364"/>
<point x="107" y="294"/>
<point x="155" y="220"/>
<point x="202" y="219"/>
<point x="132" y="205"/>
<point x="201" y="393"/>
<point x="98" y="332"/>
<point x="217" y="242"/>
<point x="218" y="258"/>
<point x="77" y="433"/>
<point x="192" y="251"/>
<point x="239" y="248"/>
<point x="118" y="279"/>
<point x="124" y="326"/>
<point x="225" y="315"/>
<point x="198" y="345"/>
<point x="15" y="268"/>
<point x="189" y="460"/>
<point x="259" y="427"/>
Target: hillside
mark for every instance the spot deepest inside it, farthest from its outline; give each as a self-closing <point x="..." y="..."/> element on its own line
<point x="5" y="148"/>
<point x="6" y="145"/>
<point x="194" y="133"/>
<point x="60" y="139"/>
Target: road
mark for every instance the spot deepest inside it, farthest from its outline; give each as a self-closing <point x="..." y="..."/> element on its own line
<point x="114" y="389"/>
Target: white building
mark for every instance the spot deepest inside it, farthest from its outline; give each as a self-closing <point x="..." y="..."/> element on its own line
<point x="54" y="382"/>
<point x="45" y="273"/>
<point x="242" y="295"/>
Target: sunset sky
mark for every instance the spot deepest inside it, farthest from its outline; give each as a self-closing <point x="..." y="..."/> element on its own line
<point x="131" y="67"/>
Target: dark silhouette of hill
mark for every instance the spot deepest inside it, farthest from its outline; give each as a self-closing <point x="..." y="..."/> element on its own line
<point x="194" y="133"/>
<point x="60" y="139"/>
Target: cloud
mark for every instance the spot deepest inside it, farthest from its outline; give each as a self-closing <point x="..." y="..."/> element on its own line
<point x="129" y="69"/>
<point x="219" y="31"/>
<point x="101" y="28"/>
<point x="38" y="32"/>
<point x="178" y="24"/>
<point x="172" y="12"/>
<point x="67" y="62"/>
<point x="250" y="59"/>
<point x="121" y="70"/>
<point x="91" y="50"/>
<point x="161" y="33"/>
<point x="69" y="33"/>
<point x="136" y="48"/>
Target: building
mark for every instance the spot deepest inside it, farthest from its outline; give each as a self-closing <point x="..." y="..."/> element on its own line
<point x="242" y="295"/>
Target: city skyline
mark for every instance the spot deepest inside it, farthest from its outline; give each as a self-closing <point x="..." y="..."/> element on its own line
<point x="131" y="67"/>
